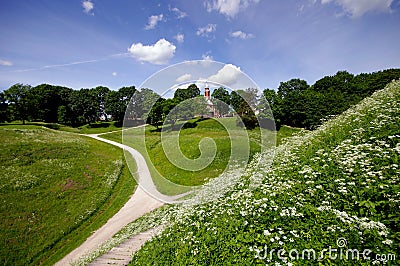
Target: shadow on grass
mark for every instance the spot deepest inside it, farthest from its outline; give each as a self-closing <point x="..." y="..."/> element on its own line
<point x="192" y="123"/>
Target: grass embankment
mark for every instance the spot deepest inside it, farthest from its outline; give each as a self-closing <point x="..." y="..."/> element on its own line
<point x="332" y="196"/>
<point x="94" y="128"/>
<point x="56" y="189"/>
<point x="148" y="142"/>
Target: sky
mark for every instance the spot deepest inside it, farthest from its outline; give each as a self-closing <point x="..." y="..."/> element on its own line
<point x="84" y="44"/>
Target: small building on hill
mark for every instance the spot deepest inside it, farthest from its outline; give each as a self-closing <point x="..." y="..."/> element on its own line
<point x="210" y="105"/>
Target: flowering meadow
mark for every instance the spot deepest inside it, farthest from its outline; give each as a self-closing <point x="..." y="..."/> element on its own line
<point x="330" y="197"/>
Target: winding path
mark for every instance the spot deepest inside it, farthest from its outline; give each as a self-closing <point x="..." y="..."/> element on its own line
<point x="138" y="204"/>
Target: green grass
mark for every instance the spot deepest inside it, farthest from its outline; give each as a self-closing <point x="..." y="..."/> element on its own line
<point x="56" y="189"/>
<point x="286" y="132"/>
<point x="336" y="185"/>
<point x="189" y="138"/>
<point x="94" y="128"/>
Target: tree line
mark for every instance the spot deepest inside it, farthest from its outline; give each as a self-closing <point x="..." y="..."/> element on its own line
<point x="56" y="104"/>
<point x="294" y="103"/>
<point x="297" y="104"/>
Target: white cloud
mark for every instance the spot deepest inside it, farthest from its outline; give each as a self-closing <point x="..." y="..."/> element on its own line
<point x="114" y="74"/>
<point x="183" y="78"/>
<point x="87" y="6"/>
<point x="357" y="8"/>
<point x="229" y="8"/>
<point x="242" y="35"/>
<point x="5" y="63"/>
<point x="179" y="14"/>
<point x="179" y="38"/>
<point x="228" y="75"/>
<point x="206" y="30"/>
<point x="159" y="53"/>
<point x="153" y="21"/>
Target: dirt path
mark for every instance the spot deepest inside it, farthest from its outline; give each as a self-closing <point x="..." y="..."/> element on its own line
<point x="139" y="204"/>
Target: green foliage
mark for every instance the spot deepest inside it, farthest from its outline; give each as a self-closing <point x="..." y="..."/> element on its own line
<point x="292" y="86"/>
<point x="47" y="100"/>
<point x="17" y="97"/>
<point x="299" y="105"/>
<point x="223" y="100"/>
<point x="141" y="103"/>
<point x="245" y="103"/>
<point x="101" y="93"/>
<point x="84" y="106"/>
<point x="156" y="115"/>
<point x="4" y="116"/>
<point x="184" y="94"/>
<point x="117" y="101"/>
<point x="56" y="189"/>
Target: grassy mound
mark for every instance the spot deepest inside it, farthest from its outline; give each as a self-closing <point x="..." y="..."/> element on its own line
<point x="56" y="189"/>
<point x="331" y="196"/>
<point x="94" y="128"/>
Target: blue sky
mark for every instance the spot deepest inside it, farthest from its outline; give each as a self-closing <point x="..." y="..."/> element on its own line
<point x="83" y="44"/>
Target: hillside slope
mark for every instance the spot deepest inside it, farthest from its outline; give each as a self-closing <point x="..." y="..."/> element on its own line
<point x="331" y="195"/>
<point x="56" y="188"/>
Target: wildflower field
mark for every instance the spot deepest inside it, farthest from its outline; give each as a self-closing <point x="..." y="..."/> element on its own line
<point x="56" y="189"/>
<point x="331" y="196"/>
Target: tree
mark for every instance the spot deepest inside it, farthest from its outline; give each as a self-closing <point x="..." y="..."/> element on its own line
<point x="156" y="114"/>
<point x="101" y="93"/>
<point x="184" y="94"/>
<point x="269" y="110"/>
<point x="45" y="100"/>
<point x="292" y="103"/>
<point x="237" y="100"/>
<point x="84" y="106"/>
<point x="245" y="103"/>
<point x="342" y="81"/>
<point x="116" y="102"/>
<point x="222" y="96"/>
<point x="3" y="108"/>
<point x="167" y="106"/>
<point x="293" y="85"/>
<point x="17" y="97"/>
<point x="141" y="104"/>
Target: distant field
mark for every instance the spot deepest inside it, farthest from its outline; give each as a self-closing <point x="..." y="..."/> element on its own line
<point x="56" y="188"/>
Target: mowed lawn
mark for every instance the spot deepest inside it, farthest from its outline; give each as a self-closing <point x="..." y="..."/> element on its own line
<point x="56" y="188"/>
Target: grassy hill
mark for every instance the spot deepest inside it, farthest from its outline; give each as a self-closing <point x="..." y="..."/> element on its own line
<point x="56" y="188"/>
<point x="333" y="191"/>
<point x="149" y="143"/>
